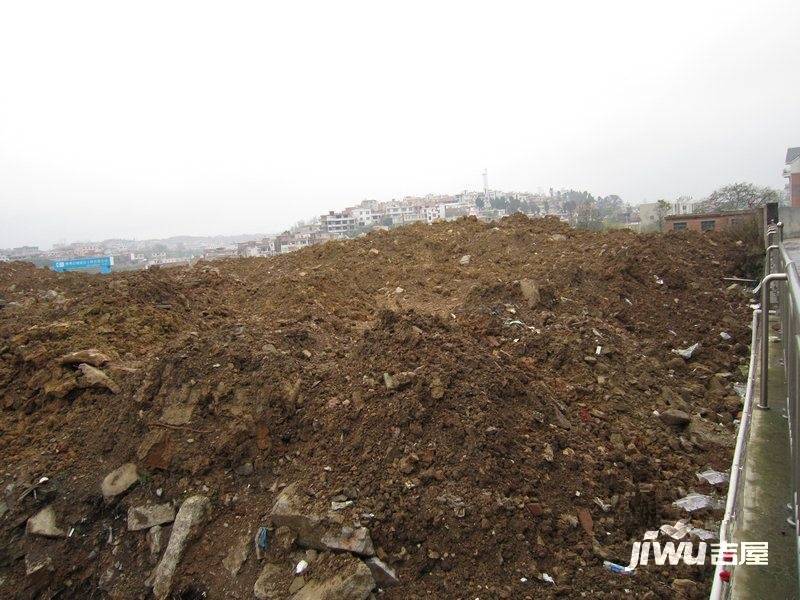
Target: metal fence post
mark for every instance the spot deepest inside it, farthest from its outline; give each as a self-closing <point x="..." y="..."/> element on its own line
<point x="765" y="286"/>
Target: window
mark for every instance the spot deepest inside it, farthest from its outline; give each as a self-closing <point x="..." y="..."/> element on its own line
<point x="678" y="226"/>
<point x="707" y="225"/>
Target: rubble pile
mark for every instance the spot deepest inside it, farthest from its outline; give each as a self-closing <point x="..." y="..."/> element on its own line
<point x="458" y="410"/>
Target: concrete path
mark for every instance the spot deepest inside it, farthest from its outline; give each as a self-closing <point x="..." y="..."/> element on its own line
<point x="767" y="490"/>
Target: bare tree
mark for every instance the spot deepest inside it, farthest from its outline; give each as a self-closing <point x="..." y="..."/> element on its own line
<point x="739" y="196"/>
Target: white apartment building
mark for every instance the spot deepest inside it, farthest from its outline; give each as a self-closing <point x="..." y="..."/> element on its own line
<point x="337" y="223"/>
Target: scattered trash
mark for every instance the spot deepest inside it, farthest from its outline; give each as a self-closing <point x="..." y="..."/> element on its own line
<point x="598" y="350"/>
<point x="32" y="487"/>
<point x="682" y="528"/>
<point x="340" y="505"/>
<point x="687" y="353"/>
<point x="547" y="579"/>
<point x="695" y="501"/>
<point x="615" y="568"/>
<point x="713" y="477"/>
<point x="725" y="336"/>
<point x="301" y="567"/>
<point x="650" y="535"/>
<point x="659" y="281"/>
<point x="605" y="506"/>
<point x="261" y="540"/>
<point x="677" y="531"/>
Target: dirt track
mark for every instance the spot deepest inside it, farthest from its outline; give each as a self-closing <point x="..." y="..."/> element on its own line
<point x="488" y="419"/>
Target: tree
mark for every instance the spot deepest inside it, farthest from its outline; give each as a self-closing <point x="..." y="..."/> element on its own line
<point x="739" y="196"/>
<point x="480" y="202"/>
<point x="663" y="208"/>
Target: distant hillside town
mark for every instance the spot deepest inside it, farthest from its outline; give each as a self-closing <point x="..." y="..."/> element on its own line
<point x="579" y="208"/>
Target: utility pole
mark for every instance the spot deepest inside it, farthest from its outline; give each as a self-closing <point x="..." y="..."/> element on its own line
<point x="486" y="188"/>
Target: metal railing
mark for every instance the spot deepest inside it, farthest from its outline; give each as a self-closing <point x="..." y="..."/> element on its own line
<point x="779" y="269"/>
<point x="723" y="574"/>
<point x="789" y="312"/>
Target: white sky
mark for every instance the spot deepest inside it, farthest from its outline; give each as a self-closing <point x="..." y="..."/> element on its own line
<point x="150" y="119"/>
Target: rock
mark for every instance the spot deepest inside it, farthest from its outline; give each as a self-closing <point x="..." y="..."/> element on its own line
<point x="675" y="417"/>
<point x="312" y="530"/>
<point x="297" y="584"/>
<point x="60" y="387"/>
<point x="437" y="389"/>
<point x="44" y="523"/>
<point x="156" y="450"/>
<point x="353" y="581"/>
<point x="585" y="519"/>
<point x="408" y="464"/>
<point x="238" y="554"/>
<point x="284" y="538"/>
<point x="95" y="378"/>
<point x="356" y="540"/>
<point x="245" y="469"/>
<point x="687" y="353"/>
<point x="153" y="538"/>
<point x="288" y="511"/>
<point x="557" y="237"/>
<point x="547" y="453"/>
<point x="92" y="357"/>
<point x="266" y="586"/>
<point x="464" y="260"/>
<point x="672" y="398"/>
<point x="145" y="517"/>
<point x="34" y="564"/>
<point x="382" y="573"/>
<point x="192" y="514"/>
<point x="530" y="291"/>
<point x="177" y="414"/>
<point x="119" y="480"/>
<point x="399" y="380"/>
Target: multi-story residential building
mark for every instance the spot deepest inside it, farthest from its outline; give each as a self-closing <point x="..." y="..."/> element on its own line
<point x="338" y="222"/>
<point x="792" y="173"/>
<point x="266" y="247"/>
<point x="652" y="214"/>
<point x="433" y="213"/>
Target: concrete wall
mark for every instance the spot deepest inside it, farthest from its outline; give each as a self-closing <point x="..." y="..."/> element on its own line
<point x="790" y="217"/>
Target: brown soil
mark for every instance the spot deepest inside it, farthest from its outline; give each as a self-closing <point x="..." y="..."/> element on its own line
<point x="478" y="469"/>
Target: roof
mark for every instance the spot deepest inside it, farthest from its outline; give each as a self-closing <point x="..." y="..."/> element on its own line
<point x="792" y="154"/>
<point x="716" y="215"/>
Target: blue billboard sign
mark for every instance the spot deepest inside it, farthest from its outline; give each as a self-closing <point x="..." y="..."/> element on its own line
<point x="104" y="263"/>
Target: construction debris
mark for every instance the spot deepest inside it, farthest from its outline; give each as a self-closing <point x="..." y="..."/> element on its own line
<point x="373" y="407"/>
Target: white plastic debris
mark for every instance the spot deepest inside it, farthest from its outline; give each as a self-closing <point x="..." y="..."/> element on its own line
<point x="301" y="567"/>
<point x="695" y="501"/>
<point x="598" y="350"/>
<point x="687" y="353"/>
<point x="605" y="506"/>
<point x="659" y="281"/>
<point x="340" y="505"/>
<point x="677" y="531"/>
<point x="725" y="335"/>
<point x="548" y="579"/>
<point x="702" y="534"/>
<point x="683" y="528"/>
<point x="650" y="535"/>
<point x="713" y="477"/>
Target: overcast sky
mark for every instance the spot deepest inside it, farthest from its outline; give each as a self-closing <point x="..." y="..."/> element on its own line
<point x="150" y="119"/>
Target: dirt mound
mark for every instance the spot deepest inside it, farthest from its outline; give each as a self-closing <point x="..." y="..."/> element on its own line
<point x="476" y="399"/>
